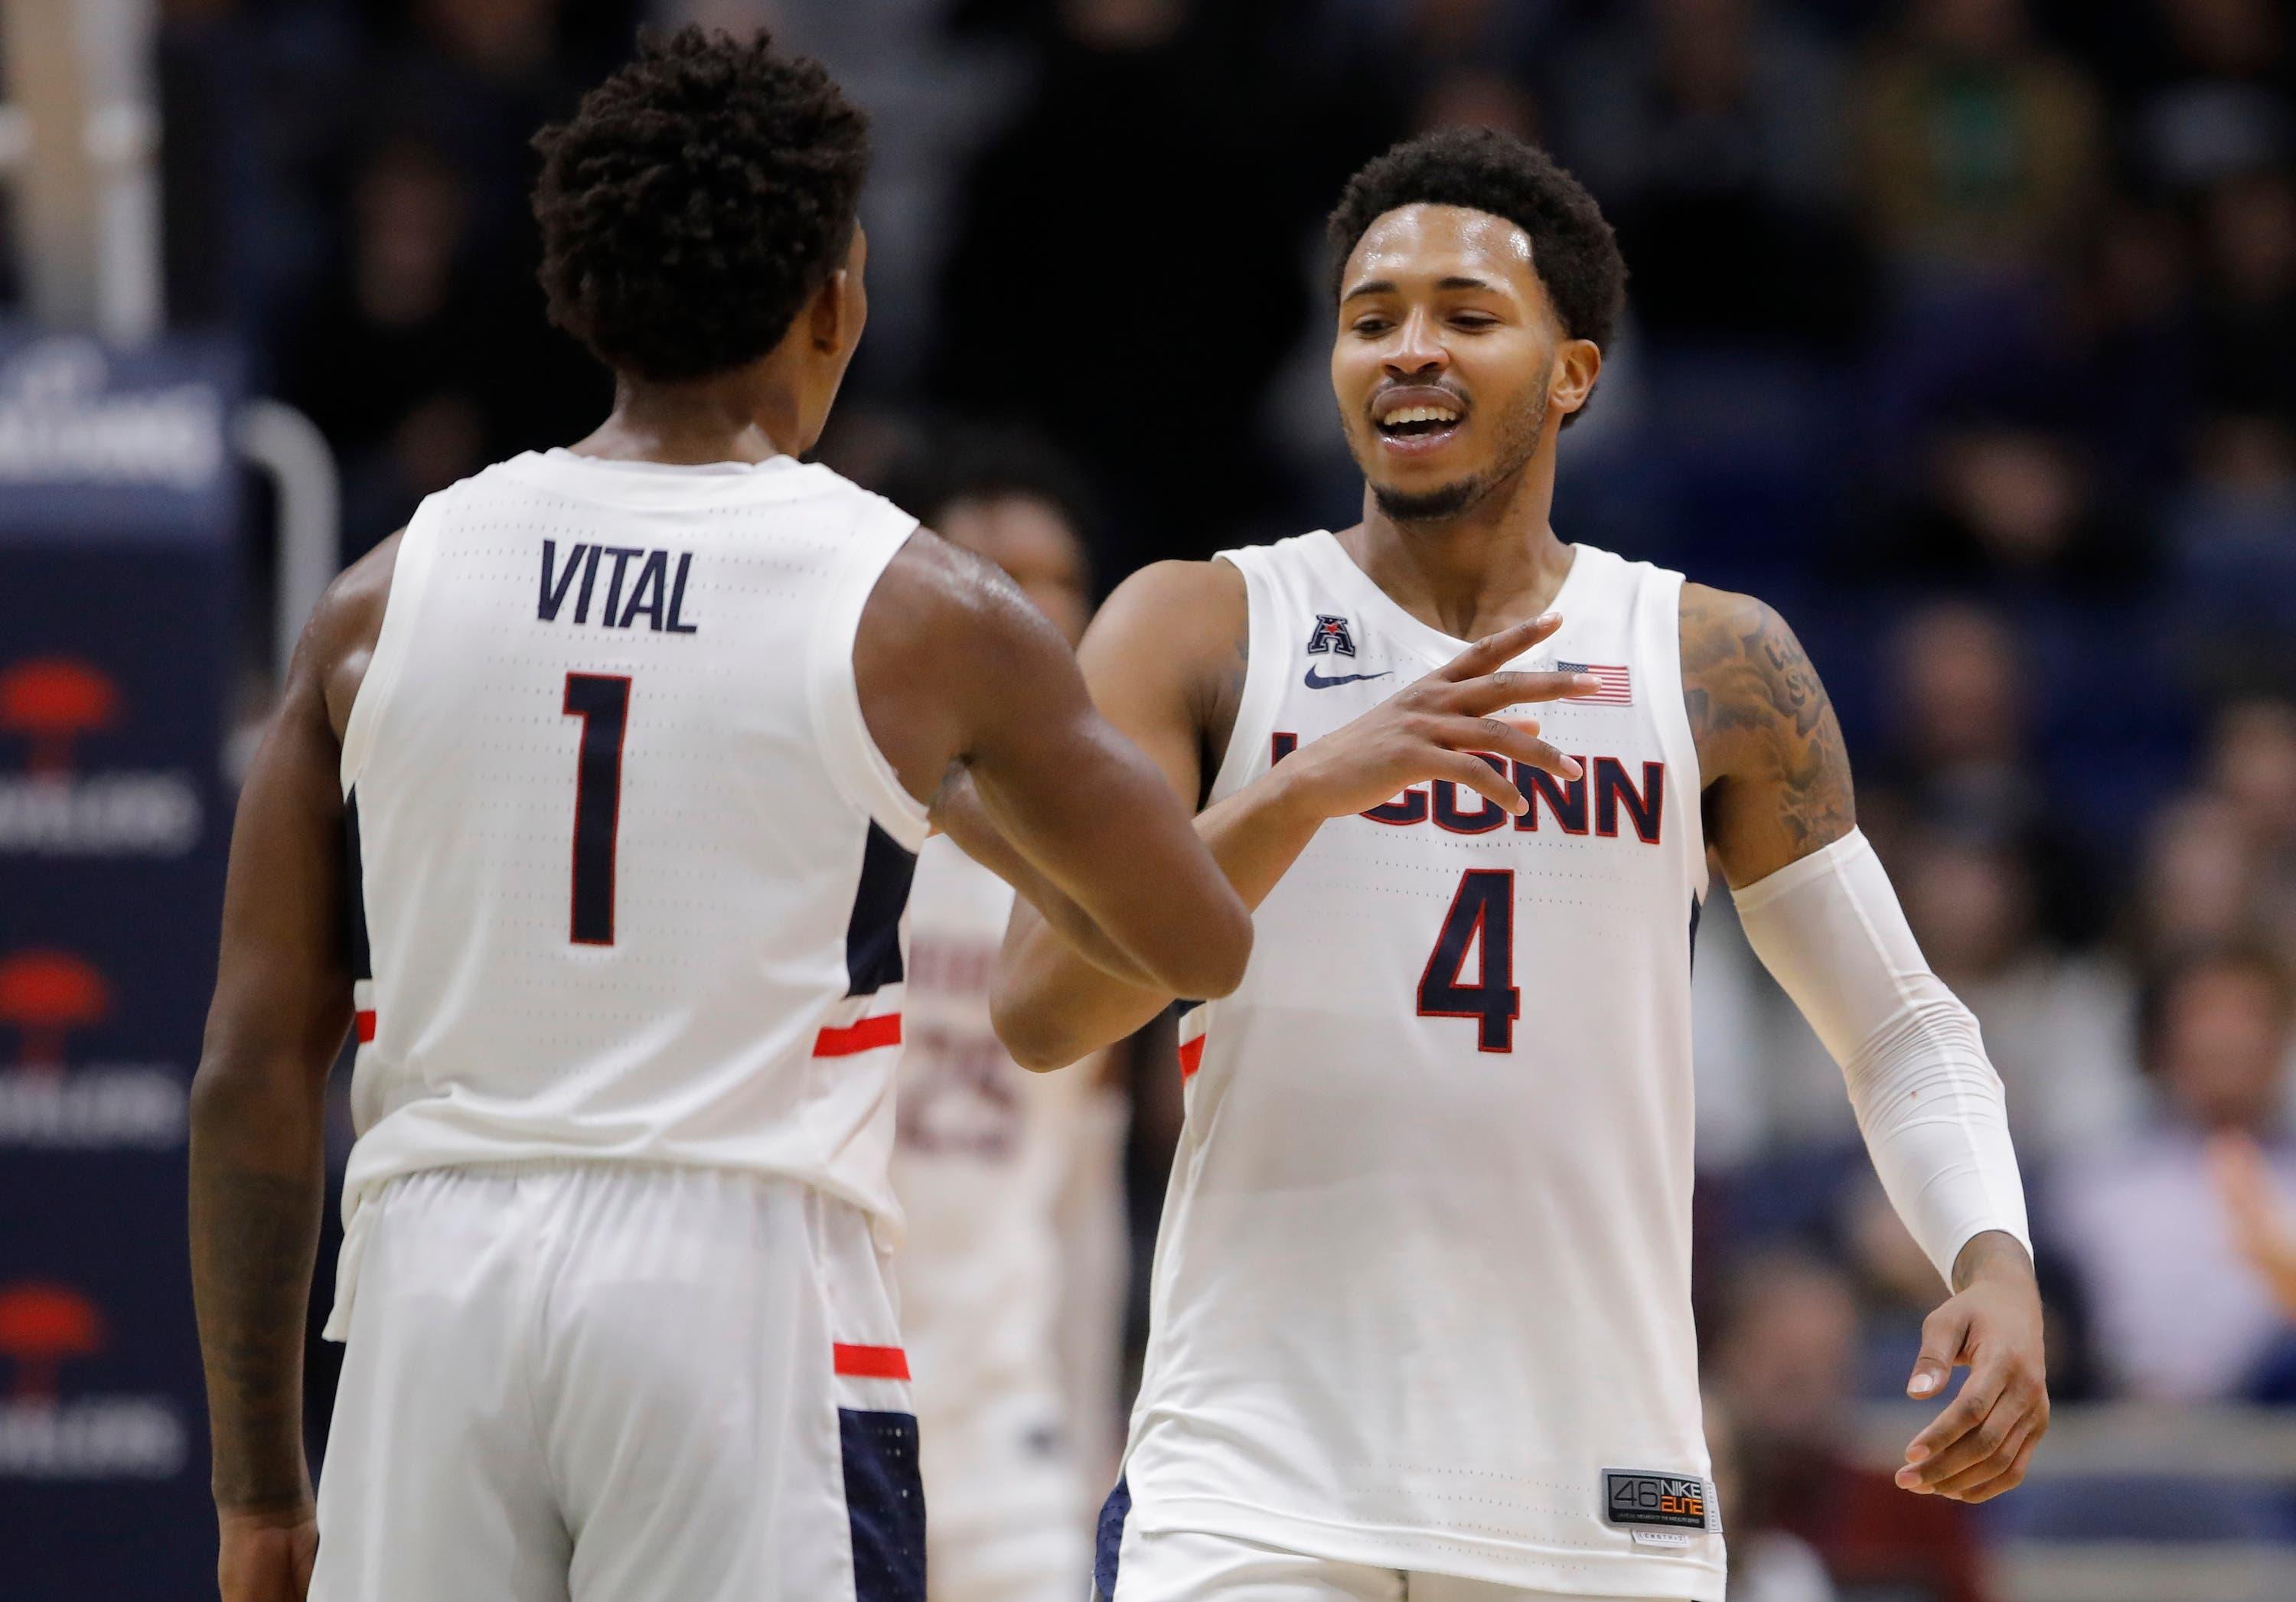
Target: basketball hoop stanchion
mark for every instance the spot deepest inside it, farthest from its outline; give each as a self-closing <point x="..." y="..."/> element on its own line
<point x="290" y="449"/>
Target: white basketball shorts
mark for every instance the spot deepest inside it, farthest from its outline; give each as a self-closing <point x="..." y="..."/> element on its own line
<point x="1132" y="1564"/>
<point x="616" y="1383"/>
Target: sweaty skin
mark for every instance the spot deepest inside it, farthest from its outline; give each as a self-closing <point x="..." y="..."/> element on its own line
<point x="1442" y="305"/>
<point x="963" y="685"/>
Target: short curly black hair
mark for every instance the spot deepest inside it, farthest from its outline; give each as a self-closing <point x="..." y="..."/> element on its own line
<point x="1576" y="254"/>
<point x="695" y="201"/>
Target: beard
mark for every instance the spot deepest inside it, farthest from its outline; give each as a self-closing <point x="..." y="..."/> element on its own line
<point x="1517" y="445"/>
<point x="1430" y="505"/>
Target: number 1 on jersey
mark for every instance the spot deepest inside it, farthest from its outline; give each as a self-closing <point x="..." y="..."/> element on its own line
<point x="1481" y="916"/>
<point x="603" y="701"/>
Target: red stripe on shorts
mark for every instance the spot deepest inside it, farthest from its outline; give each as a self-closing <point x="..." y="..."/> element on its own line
<point x="869" y="1033"/>
<point x="366" y="1021"/>
<point x="1192" y="1056"/>
<point x="871" y="1362"/>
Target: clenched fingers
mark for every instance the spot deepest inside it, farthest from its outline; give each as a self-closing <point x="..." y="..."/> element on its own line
<point x="1497" y="650"/>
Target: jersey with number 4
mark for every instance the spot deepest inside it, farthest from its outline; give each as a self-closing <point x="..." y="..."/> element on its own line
<point x="628" y="869"/>
<point x="1422" y="1291"/>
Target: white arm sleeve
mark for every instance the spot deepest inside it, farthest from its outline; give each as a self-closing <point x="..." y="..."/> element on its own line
<point x="1829" y="929"/>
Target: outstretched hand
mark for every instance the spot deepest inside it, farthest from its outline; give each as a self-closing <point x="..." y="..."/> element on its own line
<point x="1434" y="728"/>
<point x="1981" y="1445"/>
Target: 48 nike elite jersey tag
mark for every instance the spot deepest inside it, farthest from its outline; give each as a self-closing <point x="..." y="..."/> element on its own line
<point x="1632" y="1496"/>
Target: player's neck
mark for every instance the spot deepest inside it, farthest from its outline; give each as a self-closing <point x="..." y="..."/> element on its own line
<point x="1497" y="563"/>
<point x="733" y="418"/>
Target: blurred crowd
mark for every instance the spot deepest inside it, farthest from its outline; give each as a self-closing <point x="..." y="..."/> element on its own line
<point x="1962" y="331"/>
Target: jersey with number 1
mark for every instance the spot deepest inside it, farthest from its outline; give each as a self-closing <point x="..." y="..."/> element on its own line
<point x="628" y="870"/>
<point x="1422" y="1291"/>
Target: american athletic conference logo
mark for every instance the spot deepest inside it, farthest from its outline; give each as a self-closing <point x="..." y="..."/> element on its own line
<point x="1332" y="634"/>
<point x="46" y="1435"/>
<point x="50" y="707"/>
<point x="47" y="998"/>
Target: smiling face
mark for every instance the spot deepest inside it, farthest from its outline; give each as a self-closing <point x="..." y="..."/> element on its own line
<point x="1449" y="359"/>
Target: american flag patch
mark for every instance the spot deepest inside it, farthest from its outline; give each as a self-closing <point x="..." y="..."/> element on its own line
<point x="1613" y="686"/>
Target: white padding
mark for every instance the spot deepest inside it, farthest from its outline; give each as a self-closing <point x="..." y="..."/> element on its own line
<point x="1830" y="930"/>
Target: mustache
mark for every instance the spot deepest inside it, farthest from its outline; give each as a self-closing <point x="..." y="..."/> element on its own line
<point x="1371" y="404"/>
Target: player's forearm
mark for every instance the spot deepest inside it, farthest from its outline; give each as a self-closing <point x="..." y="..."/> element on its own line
<point x="1830" y="930"/>
<point x="258" y="1184"/>
<point x="1053" y="1006"/>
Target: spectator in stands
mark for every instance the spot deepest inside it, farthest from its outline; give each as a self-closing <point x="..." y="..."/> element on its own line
<point x="2010" y="507"/>
<point x="1710" y="129"/>
<point x="2130" y="311"/>
<point x="1959" y="756"/>
<point x="2199" y="887"/>
<point x="2231" y="542"/>
<point x="1111" y="215"/>
<point x="2221" y="106"/>
<point x="1430" y="40"/>
<point x="2057" y="1023"/>
<point x="2252" y="765"/>
<point x="391" y="360"/>
<point x="2248" y="309"/>
<point x="1782" y="1359"/>
<point x="2178" y="1312"/>
<point x="1767" y="1563"/>
<point x="478" y="76"/>
<point x="1981" y="149"/>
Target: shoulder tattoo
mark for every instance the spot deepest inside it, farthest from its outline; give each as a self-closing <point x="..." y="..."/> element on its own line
<point x="1763" y="722"/>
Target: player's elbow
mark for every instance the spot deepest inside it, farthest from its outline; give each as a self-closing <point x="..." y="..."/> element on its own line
<point x="230" y="1095"/>
<point x="1035" y="1033"/>
<point x="1212" y="964"/>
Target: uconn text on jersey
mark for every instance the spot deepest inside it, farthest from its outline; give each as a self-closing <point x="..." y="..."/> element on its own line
<point x="1565" y="806"/>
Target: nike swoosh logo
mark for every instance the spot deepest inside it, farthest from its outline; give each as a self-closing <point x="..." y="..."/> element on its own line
<point x="1316" y="683"/>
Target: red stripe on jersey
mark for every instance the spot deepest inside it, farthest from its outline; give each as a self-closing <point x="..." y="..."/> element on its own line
<point x="1192" y="1056"/>
<point x="871" y="1362"/>
<point x="868" y="1035"/>
<point x="366" y="1021"/>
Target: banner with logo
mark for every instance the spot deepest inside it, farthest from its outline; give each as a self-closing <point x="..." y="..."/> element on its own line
<point x="117" y="572"/>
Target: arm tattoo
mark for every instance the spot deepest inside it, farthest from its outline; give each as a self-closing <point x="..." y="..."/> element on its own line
<point x="1769" y="744"/>
<point x="254" y="1235"/>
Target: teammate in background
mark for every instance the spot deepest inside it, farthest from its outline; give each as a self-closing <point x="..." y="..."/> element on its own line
<point x="1012" y="1272"/>
<point x="592" y="802"/>
<point x="1422" y="1320"/>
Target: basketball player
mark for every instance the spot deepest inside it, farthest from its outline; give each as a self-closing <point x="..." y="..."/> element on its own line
<point x="1010" y="1180"/>
<point x="592" y="805"/>
<point x="1421" y="1322"/>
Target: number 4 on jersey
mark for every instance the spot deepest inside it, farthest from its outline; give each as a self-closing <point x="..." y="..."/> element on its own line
<point x="1481" y="918"/>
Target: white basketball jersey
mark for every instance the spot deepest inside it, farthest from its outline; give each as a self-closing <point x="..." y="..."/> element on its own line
<point x="1421" y="1294"/>
<point x="629" y="869"/>
<point x="982" y="1159"/>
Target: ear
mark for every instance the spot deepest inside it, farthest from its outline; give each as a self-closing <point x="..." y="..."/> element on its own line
<point x="841" y="306"/>
<point x="1578" y="364"/>
<point x="830" y="312"/>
